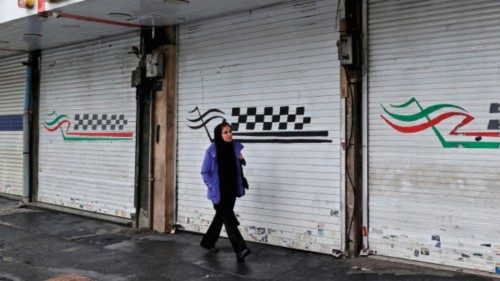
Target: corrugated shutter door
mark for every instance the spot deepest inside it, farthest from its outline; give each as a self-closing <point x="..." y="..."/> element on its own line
<point x="434" y="187"/>
<point x="273" y="72"/>
<point x="12" y="86"/>
<point x="87" y="127"/>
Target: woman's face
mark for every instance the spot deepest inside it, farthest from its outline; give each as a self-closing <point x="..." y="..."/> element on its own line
<point x="227" y="134"/>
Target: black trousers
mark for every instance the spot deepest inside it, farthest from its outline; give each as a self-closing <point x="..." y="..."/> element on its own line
<point x="224" y="214"/>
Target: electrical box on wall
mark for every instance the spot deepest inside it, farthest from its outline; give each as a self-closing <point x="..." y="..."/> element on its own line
<point x="154" y="64"/>
<point x="136" y="77"/>
<point x="344" y="47"/>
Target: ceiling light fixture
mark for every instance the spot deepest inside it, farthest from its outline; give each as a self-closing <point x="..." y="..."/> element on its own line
<point x="123" y="16"/>
<point x="176" y="2"/>
<point x="32" y="35"/>
<point x="154" y="16"/>
<point x="32" y="38"/>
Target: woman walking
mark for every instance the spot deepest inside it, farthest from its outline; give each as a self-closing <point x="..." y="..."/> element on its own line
<point x="221" y="172"/>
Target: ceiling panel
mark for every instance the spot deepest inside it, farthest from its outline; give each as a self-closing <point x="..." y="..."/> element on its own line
<point x="93" y="19"/>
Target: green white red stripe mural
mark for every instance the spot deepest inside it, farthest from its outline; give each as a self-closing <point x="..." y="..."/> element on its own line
<point x="428" y="118"/>
<point x="89" y="127"/>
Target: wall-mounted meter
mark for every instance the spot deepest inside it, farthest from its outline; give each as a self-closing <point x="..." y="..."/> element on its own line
<point x="154" y="64"/>
<point x="344" y="46"/>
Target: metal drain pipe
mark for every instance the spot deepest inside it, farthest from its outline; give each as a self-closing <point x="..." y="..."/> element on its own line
<point x="31" y="73"/>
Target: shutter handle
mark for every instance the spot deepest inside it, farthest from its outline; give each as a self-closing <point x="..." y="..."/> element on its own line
<point x="157" y="134"/>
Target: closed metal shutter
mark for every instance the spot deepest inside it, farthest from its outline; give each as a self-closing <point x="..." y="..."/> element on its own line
<point x="273" y="73"/>
<point x="434" y="136"/>
<point x="87" y="127"/>
<point x="12" y="87"/>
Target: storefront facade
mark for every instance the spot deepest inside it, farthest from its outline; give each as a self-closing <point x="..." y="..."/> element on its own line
<point x="273" y="74"/>
<point x="87" y="127"/>
<point x="12" y="89"/>
<point x="433" y="132"/>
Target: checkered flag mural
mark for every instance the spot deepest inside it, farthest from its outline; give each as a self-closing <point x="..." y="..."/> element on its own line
<point x="269" y="119"/>
<point x="280" y="124"/>
<point x="105" y="122"/>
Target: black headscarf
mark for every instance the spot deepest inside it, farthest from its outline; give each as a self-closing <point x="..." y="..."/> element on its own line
<point x="226" y="160"/>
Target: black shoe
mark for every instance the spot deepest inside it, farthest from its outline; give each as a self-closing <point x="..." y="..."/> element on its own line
<point x="240" y="257"/>
<point x="210" y="248"/>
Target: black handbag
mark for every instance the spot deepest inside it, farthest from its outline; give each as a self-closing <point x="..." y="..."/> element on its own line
<point x="243" y="179"/>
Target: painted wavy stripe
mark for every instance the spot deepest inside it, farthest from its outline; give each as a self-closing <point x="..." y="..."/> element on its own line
<point x="467" y="119"/>
<point x="204" y="114"/>
<point x="93" y="138"/>
<point x="284" y="140"/>
<point x="56" y="120"/>
<point x="405" y="104"/>
<point x="286" y="134"/>
<point x="414" y="100"/>
<point x="420" y="127"/>
<point x="102" y="134"/>
<point x="422" y="114"/>
<point x="478" y="134"/>
<point x="205" y="123"/>
<point x="470" y="144"/>
<point x="51" y="129"/>
<point x="447" y="144"/>
<point x="428" y="124"/>
<point x="67" y="138"/>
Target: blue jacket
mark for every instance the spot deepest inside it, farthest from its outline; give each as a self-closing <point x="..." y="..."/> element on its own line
<point x="210" y="172"/>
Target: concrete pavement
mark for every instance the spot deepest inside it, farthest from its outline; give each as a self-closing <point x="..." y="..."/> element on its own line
<point x="45" y="245"/>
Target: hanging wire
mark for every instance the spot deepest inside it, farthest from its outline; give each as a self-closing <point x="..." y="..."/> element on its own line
<point x="337" y="15"/>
